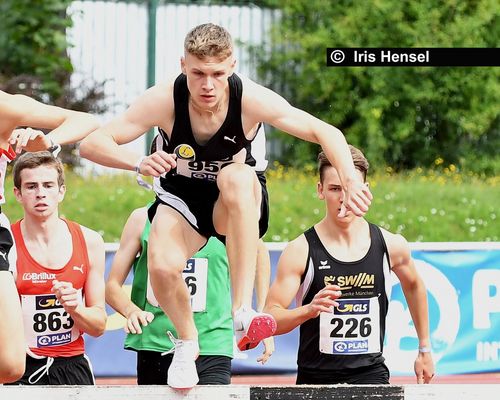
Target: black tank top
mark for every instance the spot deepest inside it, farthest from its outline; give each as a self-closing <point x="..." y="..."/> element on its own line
<point x="227" y="145"/>
<point x="353" y="335"/>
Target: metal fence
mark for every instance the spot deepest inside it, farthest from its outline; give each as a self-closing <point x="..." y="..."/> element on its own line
<point x="130" y="45"/>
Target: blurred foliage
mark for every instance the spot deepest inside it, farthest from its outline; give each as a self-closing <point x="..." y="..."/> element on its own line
<point x="404" y="117"/>
<point x="439" y="204"/>
<point x="33" y="42"/>
<point x="34" y="59"/>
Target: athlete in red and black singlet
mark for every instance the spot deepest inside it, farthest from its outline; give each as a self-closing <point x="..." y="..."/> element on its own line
<point x="7" y="254"/>
<point x="191" y="187"/>
<point x="49" y="329"/>
<point x="345" y="346"/>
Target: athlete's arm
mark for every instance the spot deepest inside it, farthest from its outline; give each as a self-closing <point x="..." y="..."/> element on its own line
<point x="89" y="317"/>
<point x="263" y="104"/>
<point x="116" y="297"/>
<point x="151" y="109"/>
<point x="291" y="266"/>
<point x="262" y="282"/>
<point x="416" y="297"/>
<point x="67" y="126"/>
<point x="12" y="343"/>
<point x="262" y="275"/>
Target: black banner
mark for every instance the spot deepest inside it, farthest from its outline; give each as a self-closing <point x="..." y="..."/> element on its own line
<point x="412" y="57"/>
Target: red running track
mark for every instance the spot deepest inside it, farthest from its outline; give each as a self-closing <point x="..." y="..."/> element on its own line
<point x="272" y="380"/>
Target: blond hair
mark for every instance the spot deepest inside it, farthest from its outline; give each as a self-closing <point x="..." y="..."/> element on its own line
<point x="359" y="159"/>
<point x="209" y="40"/>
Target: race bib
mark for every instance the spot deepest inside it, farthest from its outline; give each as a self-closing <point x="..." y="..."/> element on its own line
<point x="195" y="275"/>
<point x="46" y="323"/>
<point x="206" y="170"/>
<point x="352" y="328"/>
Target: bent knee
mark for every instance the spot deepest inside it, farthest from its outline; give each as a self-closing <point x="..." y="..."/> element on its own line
<point x="165" y="268"/>
<point x="12" y="370"/>
<point x="236" y="177"/>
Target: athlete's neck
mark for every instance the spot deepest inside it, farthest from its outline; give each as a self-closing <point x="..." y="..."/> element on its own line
<point x="348" y="233"/>
<point x="211" y="112"/>
<point x="42" y="230"/>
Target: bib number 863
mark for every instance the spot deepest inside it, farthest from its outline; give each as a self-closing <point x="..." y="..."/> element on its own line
<point x="53" y="321"/>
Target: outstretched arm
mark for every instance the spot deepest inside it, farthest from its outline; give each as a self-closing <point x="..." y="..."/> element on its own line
<point x="151" y="109"/>
<point x="130" y="246"/>
<point x="66" y="126"/>
<point x="291" y="266"/>
<point x="267" y="106"/>
<point x="416" y="297"/>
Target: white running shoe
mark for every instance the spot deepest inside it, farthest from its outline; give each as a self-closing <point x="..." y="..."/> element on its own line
<point x="250" y="327"/>
<point x="182" y="372"/>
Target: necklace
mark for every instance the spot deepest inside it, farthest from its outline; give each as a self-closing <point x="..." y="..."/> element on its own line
<point x="201" y="110"/>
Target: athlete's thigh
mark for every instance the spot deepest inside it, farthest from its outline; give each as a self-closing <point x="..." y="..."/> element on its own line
<point x="221" y="211"/>
<point x="172" y="237"/>
<point x="12" y="346"/>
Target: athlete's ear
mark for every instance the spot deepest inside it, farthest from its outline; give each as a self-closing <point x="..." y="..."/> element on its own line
<point x="62" y="192"/>
<point x="183" y="65"/>
<point x="319" y="188"/>
<point x="18" y="194"/>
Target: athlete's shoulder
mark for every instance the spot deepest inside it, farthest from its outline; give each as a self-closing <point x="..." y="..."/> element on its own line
<point x="297" y="249"/>
<point x="397" y="245"/>
<point x="138" y="217"/>
<point x="92" y="238"/>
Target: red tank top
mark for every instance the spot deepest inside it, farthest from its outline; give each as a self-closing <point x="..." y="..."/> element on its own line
<point x="49" y="329"/>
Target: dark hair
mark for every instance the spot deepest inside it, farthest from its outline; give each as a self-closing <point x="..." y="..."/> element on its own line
<point x="359" y="159"/>
<point x="35" y="160"/>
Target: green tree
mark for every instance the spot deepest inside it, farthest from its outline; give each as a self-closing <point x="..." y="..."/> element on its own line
<point x="34" y="60"/>
<point x="403" y="116"/>
<point x="33" y="42"/>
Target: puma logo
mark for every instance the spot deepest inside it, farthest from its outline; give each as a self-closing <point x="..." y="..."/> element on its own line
<point x="4" y="255"/>
<point x="233" y="139"/>
<point x="80" y="268"/>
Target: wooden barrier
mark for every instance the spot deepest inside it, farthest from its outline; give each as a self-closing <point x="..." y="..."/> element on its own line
<point x="244" y="392"/>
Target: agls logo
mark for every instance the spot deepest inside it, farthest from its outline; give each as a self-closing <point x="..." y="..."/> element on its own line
<point x="47" y="302"/>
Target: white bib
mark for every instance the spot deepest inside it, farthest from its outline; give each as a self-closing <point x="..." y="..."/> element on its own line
<point x="46" y="323"/>
<point x="352" y="328"/>
<point x="196" y="277"/>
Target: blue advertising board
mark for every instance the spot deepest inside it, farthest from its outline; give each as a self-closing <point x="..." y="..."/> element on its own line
<point x="463" y="288"/>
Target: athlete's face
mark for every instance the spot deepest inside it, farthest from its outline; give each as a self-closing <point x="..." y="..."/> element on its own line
<point x="207" y="78"/>
<point x="39" y="193"/>
<point x="330" y="190"/>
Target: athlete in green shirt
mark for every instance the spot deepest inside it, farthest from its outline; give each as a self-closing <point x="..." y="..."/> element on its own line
<point x="207" y="277"/>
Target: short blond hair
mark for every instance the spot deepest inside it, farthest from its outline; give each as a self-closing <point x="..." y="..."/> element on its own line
<point x="209" y="40"/>
<point x="359" y="159"/>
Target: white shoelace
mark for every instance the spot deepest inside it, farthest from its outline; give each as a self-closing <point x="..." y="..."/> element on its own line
<point x="41" y="371"/>
<point x="174" y="341"/>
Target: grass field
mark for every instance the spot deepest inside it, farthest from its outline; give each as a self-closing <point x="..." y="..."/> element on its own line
<point x="429" y="206"/>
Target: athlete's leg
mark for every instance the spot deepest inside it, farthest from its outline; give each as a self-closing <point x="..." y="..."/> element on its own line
<point x="12" y="345"/>
<point x="172" y="241"/>
<point x="236" y="215"/>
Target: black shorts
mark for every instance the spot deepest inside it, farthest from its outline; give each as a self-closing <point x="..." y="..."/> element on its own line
<point x="152" y="369"/>
<point x="75" y="370"/>
<point x="6" y="243"/>
<point x="377" y="374"/>
<point x="195" y="201"/>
